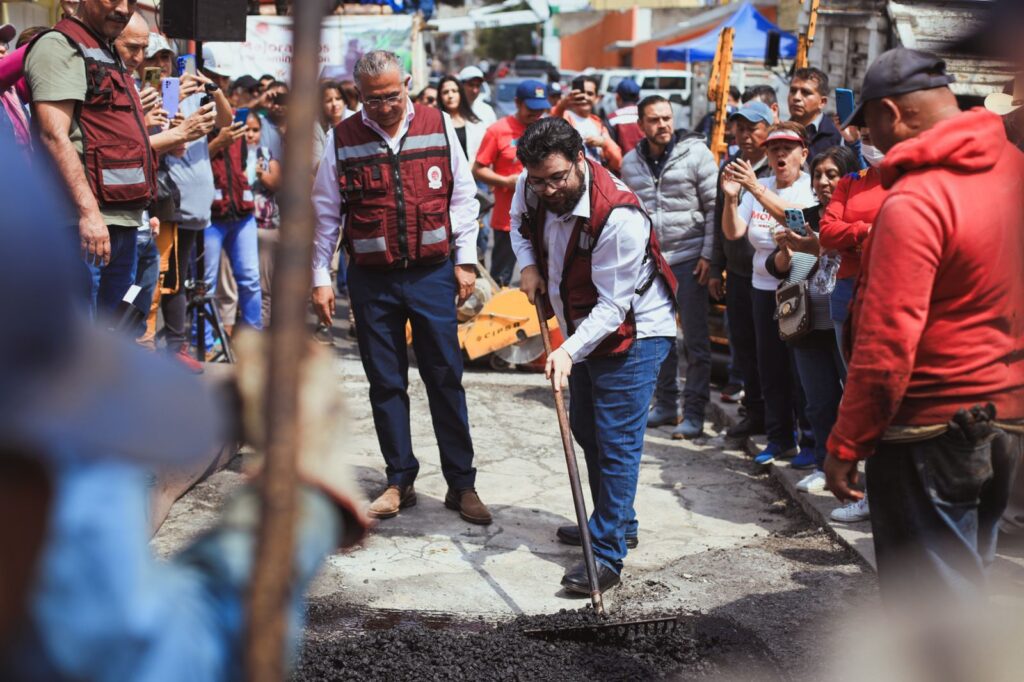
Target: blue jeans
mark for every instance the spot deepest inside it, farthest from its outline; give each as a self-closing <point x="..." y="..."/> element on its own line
<point x="147" y="269"/>
<point x="935" y="508"/>
<point x="240" y="240"/>
<point x="382" y="300"/>
<point x="109" y="283"/>
<point x="773" y="366"/>
<point x="821" y="372"/>
<point x="839" y="307"/>
<point x="608" y="400"/>
<point x="694" y="307"/>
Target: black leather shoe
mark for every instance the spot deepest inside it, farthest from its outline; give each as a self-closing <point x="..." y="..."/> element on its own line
<point x="748" y="426"/>
<point x="575" y="579"/>
<point x="570" y="535"/>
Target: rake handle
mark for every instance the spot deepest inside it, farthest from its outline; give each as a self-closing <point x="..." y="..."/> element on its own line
<point x="574" y="472"/>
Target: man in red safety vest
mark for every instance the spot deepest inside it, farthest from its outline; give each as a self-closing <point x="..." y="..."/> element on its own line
<point x="585" y="244"/>
<point x="406" y="205"/>
<point x="89" y="119"/>
<point x="624" y="124"/>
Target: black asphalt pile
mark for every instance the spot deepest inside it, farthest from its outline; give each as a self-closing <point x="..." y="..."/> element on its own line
<point x="701" y="647"/>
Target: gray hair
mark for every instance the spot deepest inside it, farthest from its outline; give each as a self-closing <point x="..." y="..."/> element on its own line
<point x="376" y="63"/>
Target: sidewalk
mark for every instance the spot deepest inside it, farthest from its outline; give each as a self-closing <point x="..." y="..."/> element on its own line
<point x="818" y="506"/>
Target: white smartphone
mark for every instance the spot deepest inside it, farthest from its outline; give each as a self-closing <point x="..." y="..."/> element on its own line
<point x="169" y="91"/>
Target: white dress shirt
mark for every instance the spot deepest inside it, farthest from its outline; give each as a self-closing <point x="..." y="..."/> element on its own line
<point x="329" y="207"/>
<point x="483" y="111"/>
<point x="618" y="268"/>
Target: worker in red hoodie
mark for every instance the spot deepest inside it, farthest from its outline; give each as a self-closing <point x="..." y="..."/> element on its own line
<point x="935" y="392"/>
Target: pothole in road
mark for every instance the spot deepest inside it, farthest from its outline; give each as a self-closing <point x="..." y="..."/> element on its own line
<point x="391" y="645"/>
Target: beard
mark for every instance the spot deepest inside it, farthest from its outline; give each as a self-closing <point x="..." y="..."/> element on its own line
<point x="566" y="198"/>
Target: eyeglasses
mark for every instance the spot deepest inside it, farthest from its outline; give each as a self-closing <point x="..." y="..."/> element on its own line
<point x="429" y="100"/>
<point x="556" y="181"/>
<point x="378" y="102"/>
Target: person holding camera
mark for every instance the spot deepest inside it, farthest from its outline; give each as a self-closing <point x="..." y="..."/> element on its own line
<point x="577" y="108"/>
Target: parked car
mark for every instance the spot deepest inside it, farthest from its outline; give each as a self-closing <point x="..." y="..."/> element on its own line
<point x="504" y="95"/>
<point x="533" y="66"/>
<point x="608" y="80"/>
<point x="672" y="84"/>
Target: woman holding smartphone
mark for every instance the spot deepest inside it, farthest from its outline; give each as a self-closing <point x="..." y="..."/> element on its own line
<point x="755" y="209"/>
<point x="819" y="364"/>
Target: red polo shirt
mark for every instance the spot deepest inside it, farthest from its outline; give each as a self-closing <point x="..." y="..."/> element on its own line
<point x="498" y="150"/>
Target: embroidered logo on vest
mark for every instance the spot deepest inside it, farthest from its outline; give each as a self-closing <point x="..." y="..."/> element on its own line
<point x="434" y="177"/>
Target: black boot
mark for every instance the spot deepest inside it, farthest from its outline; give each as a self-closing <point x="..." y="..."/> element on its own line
<point x="747" y="427"/>
<point x="575" y="579"/>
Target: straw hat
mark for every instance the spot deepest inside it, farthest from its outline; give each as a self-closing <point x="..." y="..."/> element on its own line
<point x="1004" y="103"/>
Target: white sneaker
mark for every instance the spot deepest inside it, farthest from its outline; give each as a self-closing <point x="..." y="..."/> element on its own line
<point x="813" y="482"/>
<point x="852" y="513"/>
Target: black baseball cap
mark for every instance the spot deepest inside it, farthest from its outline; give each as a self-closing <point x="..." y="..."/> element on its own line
<point x="898" y="72"/>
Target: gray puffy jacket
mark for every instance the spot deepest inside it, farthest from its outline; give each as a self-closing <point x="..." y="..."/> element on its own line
<point x="681" y="202"/>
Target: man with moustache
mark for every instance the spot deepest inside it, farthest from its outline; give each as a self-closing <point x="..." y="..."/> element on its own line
<point x="586" y="246"/>
<point x="674" y="175"/>
<point x="90" y="121"/>
<point x="406" y="204"/>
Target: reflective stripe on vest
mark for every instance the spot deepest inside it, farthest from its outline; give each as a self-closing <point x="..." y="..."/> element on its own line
<point x="97" y="54"/>
<point x="433" y="236"/>
<point x="376" y="245"/>
<point x="361" y="151"/>
<point x="414" y="142"/>
<point x="112" y="177"/>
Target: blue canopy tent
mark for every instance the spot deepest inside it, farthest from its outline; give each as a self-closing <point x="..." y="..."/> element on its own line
<point x="750" y="39"/>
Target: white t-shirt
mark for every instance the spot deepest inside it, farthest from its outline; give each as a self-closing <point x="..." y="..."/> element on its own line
<point x="586" y="127"/>
<point x="760" y="223"/>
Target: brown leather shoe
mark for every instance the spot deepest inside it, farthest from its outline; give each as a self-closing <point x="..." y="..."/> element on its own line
<point x="391" y="500"/>
<point x="469" y="506"/>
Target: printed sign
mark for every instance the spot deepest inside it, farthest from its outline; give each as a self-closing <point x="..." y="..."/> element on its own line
<point x="343" y="40"/>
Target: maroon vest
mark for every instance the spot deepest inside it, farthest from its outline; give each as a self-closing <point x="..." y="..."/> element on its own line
<point x="119" y="163"/>
<point x="579" y="295"/>
<point x="627" y="130"/>
<point x="396" y="205"/>
<point x="232" y="198"/>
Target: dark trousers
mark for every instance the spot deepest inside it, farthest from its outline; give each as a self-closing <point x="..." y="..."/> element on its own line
<point x="503" y="258"/>
<point x="739" y="305"/>
<point x="147" y="271"/>
<point x="935" y="508"/>
<point x="382" y="302"/>
<point x="175" y="306"/>
<point x="821" y="372"/>
<point x="109" y="283"/>
<point x="694" y="307"/>
<point x="773" y="364"/>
